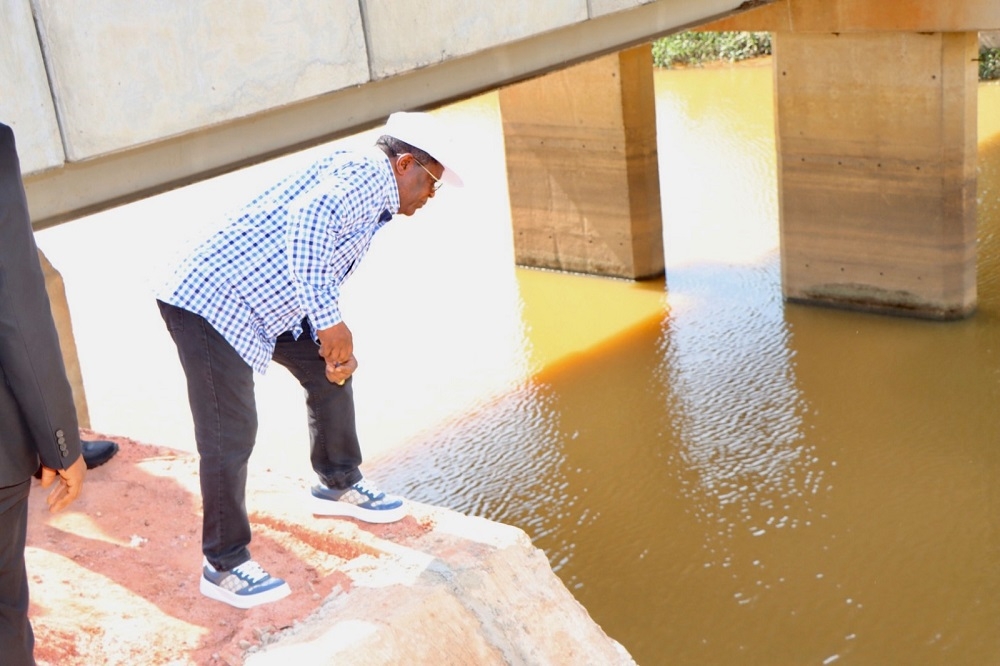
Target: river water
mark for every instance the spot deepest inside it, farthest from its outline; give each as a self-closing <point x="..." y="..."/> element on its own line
<point x="733" y="480"/>
<point x="719" y="477"/>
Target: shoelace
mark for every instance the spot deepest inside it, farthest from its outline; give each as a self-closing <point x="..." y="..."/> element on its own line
<point x="252" y="571"/>
<point x="368" y="488"/>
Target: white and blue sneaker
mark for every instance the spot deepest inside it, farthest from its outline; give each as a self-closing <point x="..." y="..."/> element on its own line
<point x="243" y="586"/>
<point x="363" y="501"/>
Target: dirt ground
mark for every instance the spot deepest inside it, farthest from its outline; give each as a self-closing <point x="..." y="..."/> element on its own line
<point x="114" y="579"/>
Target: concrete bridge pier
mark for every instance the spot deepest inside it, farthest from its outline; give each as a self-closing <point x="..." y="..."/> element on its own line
<point x="582" y="168"/>
<point x="876" y="135"/>
<point x="56" y="290"/>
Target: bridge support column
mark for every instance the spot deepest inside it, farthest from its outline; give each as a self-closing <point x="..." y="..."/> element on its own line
<point x="60" y="313"/>
<point x="877" y="170"/>
<point x="582" y="168"/>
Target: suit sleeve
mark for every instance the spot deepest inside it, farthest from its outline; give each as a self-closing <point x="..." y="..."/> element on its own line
<point x="31" y="362"/>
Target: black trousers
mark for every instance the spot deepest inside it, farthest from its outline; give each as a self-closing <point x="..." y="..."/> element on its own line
<point x="221" y="394"/>
<point x="17" y="642"/>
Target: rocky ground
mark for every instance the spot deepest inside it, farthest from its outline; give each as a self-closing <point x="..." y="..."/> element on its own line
<point x="114" y="579"/>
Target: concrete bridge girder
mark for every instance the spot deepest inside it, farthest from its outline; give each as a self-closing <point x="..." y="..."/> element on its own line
<point x="864" y="16"/>
<point x="122" y="100"/>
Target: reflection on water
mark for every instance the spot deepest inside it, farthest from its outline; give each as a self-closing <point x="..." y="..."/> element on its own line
<point x="737" y="481"/>
<point x="720" y="478"/>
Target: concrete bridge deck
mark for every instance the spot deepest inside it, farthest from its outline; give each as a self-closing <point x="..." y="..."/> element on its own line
<point x="113" y="100"/>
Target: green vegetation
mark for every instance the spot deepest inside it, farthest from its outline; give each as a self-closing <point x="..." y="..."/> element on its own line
<point x="696" y="48"/>
<point x="989" y="64"/>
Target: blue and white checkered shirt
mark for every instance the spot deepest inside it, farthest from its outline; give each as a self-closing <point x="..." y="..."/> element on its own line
<point x="284" y="256"/>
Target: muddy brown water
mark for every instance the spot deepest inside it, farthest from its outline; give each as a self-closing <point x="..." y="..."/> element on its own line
<point x="735" y="480"/>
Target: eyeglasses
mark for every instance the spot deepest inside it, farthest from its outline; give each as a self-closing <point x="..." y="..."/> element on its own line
<point x="437" y="181"/>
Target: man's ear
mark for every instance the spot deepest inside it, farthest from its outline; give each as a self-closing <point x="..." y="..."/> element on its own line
<point x="403" y="163"/>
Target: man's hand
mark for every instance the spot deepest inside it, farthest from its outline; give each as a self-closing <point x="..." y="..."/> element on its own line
<point x="70" y="483"/>
<point x="336" y="344"/>
<point x="338" y="374"/>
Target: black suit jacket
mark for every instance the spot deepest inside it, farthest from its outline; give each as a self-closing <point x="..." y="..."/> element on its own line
<point x="37" y="414"/>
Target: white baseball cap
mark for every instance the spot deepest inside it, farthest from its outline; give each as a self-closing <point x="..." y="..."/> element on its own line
<point x="429" y="134"/>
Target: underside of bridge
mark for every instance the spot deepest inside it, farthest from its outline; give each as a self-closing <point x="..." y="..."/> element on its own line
<point x="876" y="161"/>
<point x="118" y="100"/>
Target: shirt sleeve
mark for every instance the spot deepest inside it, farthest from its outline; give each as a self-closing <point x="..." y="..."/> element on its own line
<point x="316" y="267"/>
<point x="329" y="232"/>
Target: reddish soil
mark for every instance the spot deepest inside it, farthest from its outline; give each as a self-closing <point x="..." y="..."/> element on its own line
<point x="114" y="578"/>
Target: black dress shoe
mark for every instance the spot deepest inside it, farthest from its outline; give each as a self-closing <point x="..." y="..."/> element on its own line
<point x="95" y="454"/>
<point x="98" y="452"/>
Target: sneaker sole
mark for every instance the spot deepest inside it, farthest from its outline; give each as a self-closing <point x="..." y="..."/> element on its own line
<point x="243" y="602"/>
<point x="322" y="507"/>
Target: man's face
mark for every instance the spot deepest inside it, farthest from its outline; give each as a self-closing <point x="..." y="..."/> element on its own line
<point x="416" y="182"/>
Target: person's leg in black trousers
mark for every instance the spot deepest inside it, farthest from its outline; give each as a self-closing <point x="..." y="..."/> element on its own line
<point x="17" y="641"/>
<point x="335" y="451"/>
<point x="221" y="393"/>
<point x="333" y="438"/>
